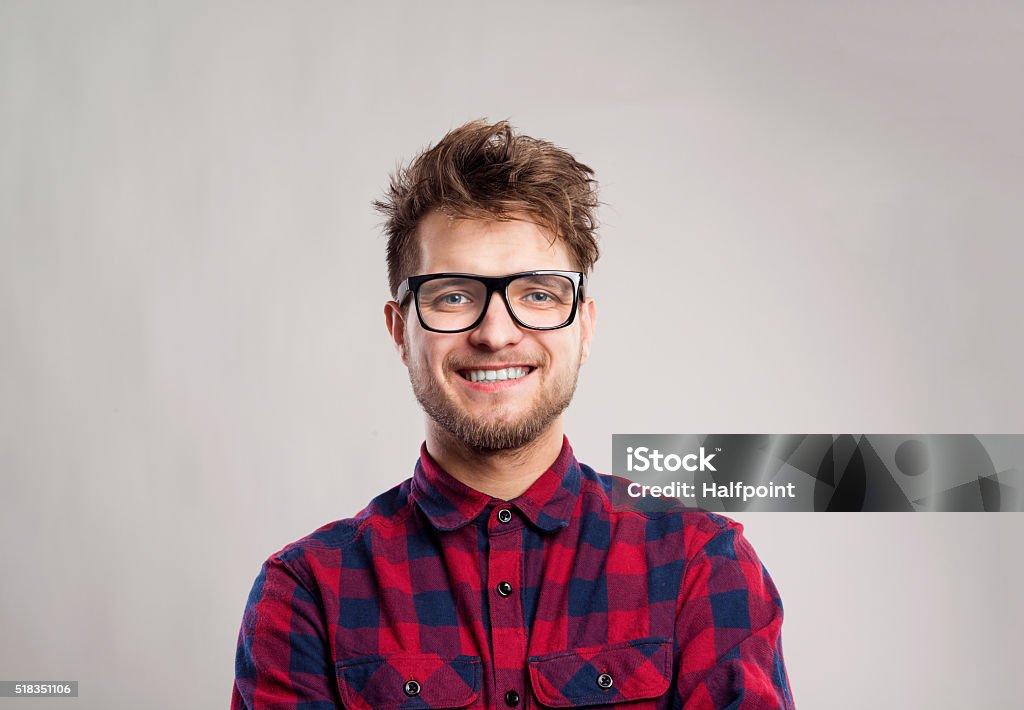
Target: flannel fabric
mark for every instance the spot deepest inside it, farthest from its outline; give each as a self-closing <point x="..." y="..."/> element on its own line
<point x="439" y="596"/>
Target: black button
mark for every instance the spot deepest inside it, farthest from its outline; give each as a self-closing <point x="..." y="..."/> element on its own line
<point x="411" y="688"/>
<point x="504" y="588"/>
<point x="504" y="515"/>
<point x="511" y="698"/>
<point x="604" y="681"/>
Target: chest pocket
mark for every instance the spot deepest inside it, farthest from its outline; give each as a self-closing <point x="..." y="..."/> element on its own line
<point x="404" y="680"/>
<point x="599" y="675"/>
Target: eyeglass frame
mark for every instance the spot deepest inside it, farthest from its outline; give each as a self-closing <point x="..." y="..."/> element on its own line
<point x="500" y="284"/>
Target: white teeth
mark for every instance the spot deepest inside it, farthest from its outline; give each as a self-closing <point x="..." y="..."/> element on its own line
<point x="509" y="373"/>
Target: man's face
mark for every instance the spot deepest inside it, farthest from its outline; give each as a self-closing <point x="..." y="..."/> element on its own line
<point x="498" y="415"/>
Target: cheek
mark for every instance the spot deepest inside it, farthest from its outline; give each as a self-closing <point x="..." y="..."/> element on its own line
<point x="427" y="353"/>
<point x="565" y="351"/>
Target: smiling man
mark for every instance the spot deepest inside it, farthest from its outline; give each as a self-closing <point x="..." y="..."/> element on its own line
<point x="499" y="574"/>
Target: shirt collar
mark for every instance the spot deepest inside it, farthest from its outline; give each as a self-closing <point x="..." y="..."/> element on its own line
<point x="450" y="504"/>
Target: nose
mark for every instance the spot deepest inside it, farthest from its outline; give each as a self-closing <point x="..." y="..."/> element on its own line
<point x="497" y="330"/>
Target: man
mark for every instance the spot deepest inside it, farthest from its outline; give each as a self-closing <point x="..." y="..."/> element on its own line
<point x="499" y="574"/>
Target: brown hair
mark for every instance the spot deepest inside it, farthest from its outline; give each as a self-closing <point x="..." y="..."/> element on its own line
<point x="487" y="171"/>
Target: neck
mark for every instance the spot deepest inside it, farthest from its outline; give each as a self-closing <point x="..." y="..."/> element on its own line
<point x="499" y="474"/>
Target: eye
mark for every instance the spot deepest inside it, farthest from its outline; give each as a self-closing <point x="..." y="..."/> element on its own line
<point x="542" y="291"/>
<point x="450" y="299"/>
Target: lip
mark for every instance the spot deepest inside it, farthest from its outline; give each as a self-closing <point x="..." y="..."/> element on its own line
<point x="489" y="387"/>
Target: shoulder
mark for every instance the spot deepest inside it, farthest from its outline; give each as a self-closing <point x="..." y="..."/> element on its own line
<point x="666" y="522"/>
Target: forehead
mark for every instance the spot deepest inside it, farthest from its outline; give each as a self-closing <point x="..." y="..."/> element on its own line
<point x="486" y="247"/>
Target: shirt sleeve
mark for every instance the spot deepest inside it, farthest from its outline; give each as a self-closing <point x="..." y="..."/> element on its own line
<point x="283" y="660"/>
<point x="729" y="630"/>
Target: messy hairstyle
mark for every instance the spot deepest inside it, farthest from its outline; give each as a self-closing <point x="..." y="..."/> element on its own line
<point x="487" y="171"/>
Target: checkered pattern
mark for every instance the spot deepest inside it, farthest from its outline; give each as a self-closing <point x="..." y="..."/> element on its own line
<point x="434" y="597"/>
<point x="570" y="678"/>
<point x="379" y="682"/>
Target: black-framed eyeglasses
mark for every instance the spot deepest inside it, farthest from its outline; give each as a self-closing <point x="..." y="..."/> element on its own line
<point x="453" y="303"/>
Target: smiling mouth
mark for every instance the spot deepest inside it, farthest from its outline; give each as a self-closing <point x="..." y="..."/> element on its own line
<point x="502" y="375"/>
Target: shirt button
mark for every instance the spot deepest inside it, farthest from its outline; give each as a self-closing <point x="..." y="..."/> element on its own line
<point x="504" y="515"/>
<point x="511" y="698"/>
<point x="411" y="688"/>
<point x="504" y="588"/>
<point x="604" y="681"/>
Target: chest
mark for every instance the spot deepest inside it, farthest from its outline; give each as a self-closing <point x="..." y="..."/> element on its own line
<point x="490" y="614"/>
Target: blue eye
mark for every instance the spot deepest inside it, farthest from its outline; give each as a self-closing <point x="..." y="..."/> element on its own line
<point x="452" y="299"/>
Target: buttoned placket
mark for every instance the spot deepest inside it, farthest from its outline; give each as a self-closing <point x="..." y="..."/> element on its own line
<point x="504" y="575"/>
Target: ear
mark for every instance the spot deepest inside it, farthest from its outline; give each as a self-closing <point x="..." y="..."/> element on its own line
<point x="588" y="321"/>
<point x="395" y="322"/>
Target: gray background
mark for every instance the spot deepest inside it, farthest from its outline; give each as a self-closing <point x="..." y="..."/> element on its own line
<point x="813" y="224"/>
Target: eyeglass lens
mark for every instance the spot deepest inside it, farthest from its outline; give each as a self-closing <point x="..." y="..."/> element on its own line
<point x="454" y="303"/>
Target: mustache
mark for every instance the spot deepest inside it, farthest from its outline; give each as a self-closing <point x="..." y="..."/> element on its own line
<point x="456" y="362"/>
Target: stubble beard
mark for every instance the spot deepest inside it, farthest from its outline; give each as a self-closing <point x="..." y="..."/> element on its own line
<point x="489" y="434"/>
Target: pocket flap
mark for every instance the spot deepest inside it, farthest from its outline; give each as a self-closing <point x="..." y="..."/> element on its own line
<point x="409" y="680"/>
<point x="634" y="670"/>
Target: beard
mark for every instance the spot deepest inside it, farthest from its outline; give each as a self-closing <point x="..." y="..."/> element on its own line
<point x="496" y="430"/>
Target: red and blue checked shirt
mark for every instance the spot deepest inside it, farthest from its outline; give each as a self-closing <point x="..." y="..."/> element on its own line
<point x="439" y="596"/>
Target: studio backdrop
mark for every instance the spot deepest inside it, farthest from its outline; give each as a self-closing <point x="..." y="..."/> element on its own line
<point x="811" y="224"/>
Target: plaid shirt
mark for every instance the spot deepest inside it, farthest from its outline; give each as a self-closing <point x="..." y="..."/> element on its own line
<point x="439" y="596"/>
